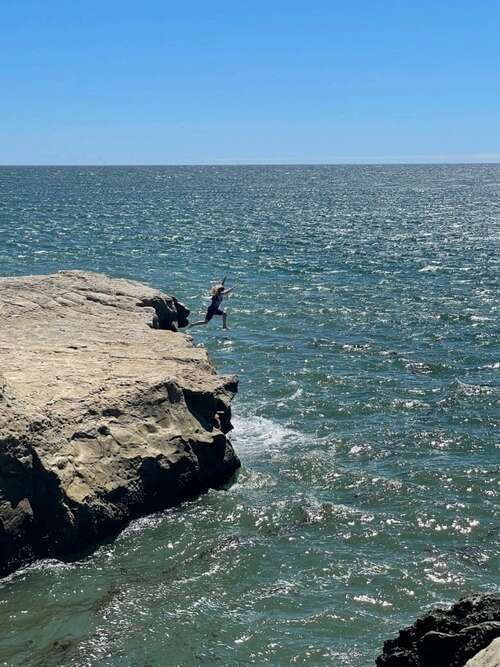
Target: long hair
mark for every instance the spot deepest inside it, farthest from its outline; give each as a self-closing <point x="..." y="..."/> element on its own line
<point x="216" y="289"/>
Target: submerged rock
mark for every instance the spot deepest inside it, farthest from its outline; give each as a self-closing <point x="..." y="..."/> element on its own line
<point x="446" y="638"/>
<point x="106" y="414"/>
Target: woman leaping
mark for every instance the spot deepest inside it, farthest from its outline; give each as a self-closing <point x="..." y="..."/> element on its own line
<point x="217" y="295"/>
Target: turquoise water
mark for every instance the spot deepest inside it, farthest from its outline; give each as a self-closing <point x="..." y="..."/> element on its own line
<point x="365" y="330"/>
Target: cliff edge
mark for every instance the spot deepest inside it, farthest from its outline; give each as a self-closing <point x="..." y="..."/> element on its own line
<point x="106" y="413"/>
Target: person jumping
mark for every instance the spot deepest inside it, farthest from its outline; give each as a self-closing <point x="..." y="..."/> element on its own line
<point x="217" y="295"/>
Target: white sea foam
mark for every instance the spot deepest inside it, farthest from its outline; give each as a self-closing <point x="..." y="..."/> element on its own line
<point x="430" y="268"/>
<point x="360" y="449"/>
<point x="371" y="600"/>
<point x="473" y="389"/>
<point x="255" y="435"/>
<point x="296" y="394"/>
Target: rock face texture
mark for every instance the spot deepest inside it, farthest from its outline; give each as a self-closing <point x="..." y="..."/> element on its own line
<point x="488" y="657"/>
<point x="106" y="413"/>
<point x="446" y="638"/>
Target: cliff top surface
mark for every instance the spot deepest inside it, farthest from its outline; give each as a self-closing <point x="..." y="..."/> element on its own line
<point x="65" y="335"/>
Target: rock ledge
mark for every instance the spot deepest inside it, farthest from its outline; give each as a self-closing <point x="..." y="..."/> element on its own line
<point x="103" y="416"/>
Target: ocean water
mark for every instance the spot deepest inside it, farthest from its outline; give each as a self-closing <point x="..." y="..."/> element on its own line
<point x="365" y="330"/>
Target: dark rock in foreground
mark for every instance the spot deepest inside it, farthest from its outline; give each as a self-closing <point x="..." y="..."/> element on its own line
<point x="105" y="415"/>
<point x="446" y="638"/>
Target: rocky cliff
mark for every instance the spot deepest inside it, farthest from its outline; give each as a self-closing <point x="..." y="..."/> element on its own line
<point x="105" y="412"/>
<point x="447" y="637"/>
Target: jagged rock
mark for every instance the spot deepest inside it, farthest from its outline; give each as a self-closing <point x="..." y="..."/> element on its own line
<point x="445" y="638"/>
<point x="104" y="414"/>
<point x="169" y="313"/>
<point x="488" y="657"/>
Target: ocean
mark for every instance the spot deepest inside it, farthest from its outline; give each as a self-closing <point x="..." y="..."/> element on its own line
<point x="365" y="331"/>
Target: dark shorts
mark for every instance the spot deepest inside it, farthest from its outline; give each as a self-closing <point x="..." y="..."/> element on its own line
<point x="211" y="312"/>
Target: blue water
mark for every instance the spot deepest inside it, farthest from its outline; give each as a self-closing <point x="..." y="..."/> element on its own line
<point x="365" y="330"/>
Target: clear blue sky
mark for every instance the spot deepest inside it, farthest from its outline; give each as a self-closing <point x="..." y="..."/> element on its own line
<point x="161" y="82"/>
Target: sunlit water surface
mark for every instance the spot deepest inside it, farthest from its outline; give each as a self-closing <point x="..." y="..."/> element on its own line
<point x="365" y="330"/>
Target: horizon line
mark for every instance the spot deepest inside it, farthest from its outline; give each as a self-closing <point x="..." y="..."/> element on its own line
<point x="259" y="164"/>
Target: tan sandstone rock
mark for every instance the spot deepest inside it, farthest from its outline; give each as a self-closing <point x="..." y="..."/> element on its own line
<point x="488" y="657"/>
<point x="103" y="417"/>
